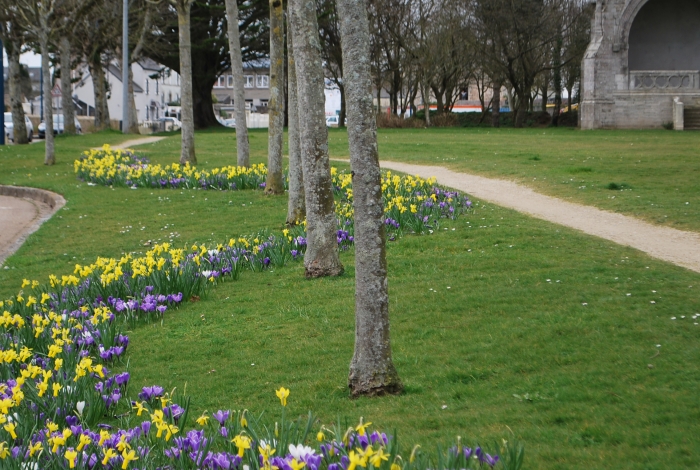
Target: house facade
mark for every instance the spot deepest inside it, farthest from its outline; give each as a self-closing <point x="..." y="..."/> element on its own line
<point x="155" y="87"/>
<point x="256" y="85"/>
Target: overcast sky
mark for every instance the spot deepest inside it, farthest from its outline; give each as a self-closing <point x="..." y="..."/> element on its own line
<point x="30" y="59"/>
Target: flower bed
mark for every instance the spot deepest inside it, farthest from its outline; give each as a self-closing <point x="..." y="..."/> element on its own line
<point x="411" y="203"/>
<point x="126" y="169"/>
<point x="62" y="407"/>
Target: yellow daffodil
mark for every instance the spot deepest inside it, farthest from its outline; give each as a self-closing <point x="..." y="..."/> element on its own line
<point x="84" y="441"/>
<point x="379" y="457"/>
<point x="361" y="428"/>
<point x="71" y="456"/>
<point x="203" y="420"/>
<point x="297" y="465"/>
<point x="128" y="457"/>
<point x="10" y="427"/>
<point x="34" y="448"/>
<point x="109" y="455"/>
<point x="4" y="450"/>
<point x="356" y="460"/>
<point x="242" y="442"/>
<point x="282" y="394"/>
<point x="138" y="406"/>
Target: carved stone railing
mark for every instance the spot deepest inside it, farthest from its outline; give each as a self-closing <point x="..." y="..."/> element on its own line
<point x="664" y="80"/>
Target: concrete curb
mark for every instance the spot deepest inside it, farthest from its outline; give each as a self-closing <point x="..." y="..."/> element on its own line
<point x="47" y="203"/>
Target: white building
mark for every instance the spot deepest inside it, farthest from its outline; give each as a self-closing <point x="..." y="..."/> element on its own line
<point x="154" y="87"/>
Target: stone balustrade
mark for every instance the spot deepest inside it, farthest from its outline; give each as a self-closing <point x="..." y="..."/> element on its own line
<point x="664" y="80"/>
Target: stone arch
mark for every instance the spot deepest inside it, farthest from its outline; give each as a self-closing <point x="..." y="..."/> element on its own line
<point x="624" y="23"/>
<point x="674" y="26"/>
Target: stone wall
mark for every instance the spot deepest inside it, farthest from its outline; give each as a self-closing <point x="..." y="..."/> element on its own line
<point x="614" y="95"/>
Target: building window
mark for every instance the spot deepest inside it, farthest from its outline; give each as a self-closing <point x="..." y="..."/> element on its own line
<point x="248" y="81"/>
<point x="263" y="103"/>
<point x="220" y="82"/>
<point x="157" y="86"/>
<point x="146" y="86"/>
<point x="263" y="81"/>
<point x="229" y="80"/>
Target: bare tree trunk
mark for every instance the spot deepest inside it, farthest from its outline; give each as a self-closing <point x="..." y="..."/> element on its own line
<point x="66" y="89"/>
<point x="274" y="183"/>
<point x="321" y="257"/>
<point x="342" y="117"/>
<point x="296" y="207"/>
<point x="372" y="371"/>
<point x="133" y="124"/>
<point x="187" y="154"/>
<point x="496" y="105"/>
<point x="425" y="96"/>
<point x="556" y="66"/>
<point x="234" y="41"/>
<point x="545" y="99"/>
<point x="20" y="127"/>
<point x="50" y="157"/>
<point x="100" y="90"/>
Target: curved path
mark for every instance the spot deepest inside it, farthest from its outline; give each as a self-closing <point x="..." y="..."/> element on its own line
<point x="676" y="246"/>
<point x="22" y="211"/>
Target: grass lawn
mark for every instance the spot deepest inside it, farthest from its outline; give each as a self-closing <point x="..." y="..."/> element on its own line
<point x="655" y="175"/>
<point x="496" y="305"/>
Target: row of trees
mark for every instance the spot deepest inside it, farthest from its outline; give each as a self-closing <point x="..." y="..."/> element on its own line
<point x="47" y="24"/>
<point x="437" y="48"/>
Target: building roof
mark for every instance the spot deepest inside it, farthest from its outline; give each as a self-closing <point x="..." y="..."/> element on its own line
<point x="117" y="72"/>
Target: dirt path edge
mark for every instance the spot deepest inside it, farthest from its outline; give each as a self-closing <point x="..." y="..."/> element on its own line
<point x="47" y="204"/>
<point x="679" y="247"/>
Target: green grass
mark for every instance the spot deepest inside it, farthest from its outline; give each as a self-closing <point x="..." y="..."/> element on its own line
<point x="513" y="321"/>
<point x="652" y="175"/>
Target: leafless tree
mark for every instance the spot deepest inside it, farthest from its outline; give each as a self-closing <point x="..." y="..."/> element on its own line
<point x="296" y="206"/>
<point x="242" y="144"/>
<point x="187" y="154"/>
<point x="13" y="37"/>
<point x="42" y="16"/>
<point x="321" y="257"/>
<point x="274" y="183"/>
<point x="372" y="371"/>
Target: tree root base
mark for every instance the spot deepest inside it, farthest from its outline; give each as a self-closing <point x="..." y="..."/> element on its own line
<point x="366" y="390"/>
<point x="313" y="272"/>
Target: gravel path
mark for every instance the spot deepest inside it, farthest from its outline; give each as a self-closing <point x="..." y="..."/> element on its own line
<point x="22" y="211"/>
<point x="676" y="246"/>
<point x="135" y="142"/>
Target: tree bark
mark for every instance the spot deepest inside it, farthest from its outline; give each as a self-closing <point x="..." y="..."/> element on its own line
<point x="20" y="127"/>
<point x="372" y="371"/>
<point x="187" y="154"/>
<point x="296" y="207"/>
<point x="556" y="78"/>
<point x="133" y="124"/>
<point x="425" y="96"/>
<point x="321" y="257"/>
<point x="66" y="89"/>
<point x="49" y="155"/>
<point x="274" y="183"/>
<point x="100" y="90"/>
<point x="496" y="105"/>
<point x="234" y="41"/>
<point x="342" y="117"/>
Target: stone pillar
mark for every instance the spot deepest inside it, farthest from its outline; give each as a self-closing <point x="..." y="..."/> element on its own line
<point x="678" y="108"/>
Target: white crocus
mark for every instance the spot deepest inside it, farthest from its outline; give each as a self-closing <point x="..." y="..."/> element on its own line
<point x="300" y="451"/>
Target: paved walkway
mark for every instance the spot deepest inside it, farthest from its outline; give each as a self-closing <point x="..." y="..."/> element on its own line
<point x="676" y="246"/>
<point x="16" y="217"/>
<point x="135" y="142"/>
